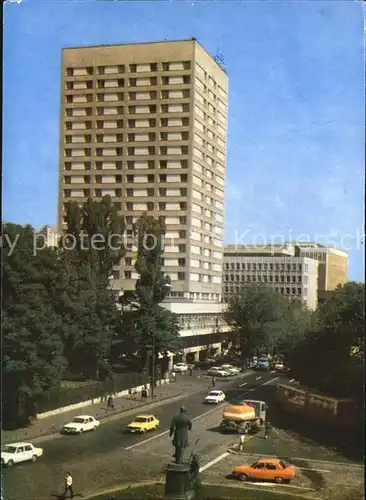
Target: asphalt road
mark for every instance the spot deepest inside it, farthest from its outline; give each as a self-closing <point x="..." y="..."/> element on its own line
<point x="110" y="456"/>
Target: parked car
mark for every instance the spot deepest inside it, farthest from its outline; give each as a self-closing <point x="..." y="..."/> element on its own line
<point x="216" y="371"/>
<point x="231" y="369"/>
<point x="279" y="366"/>
<point x="215" y="397"/>
<point x="143" y="423"/>
<point x="267" y="469"/>
<point x="263" y="364"/>
<point x="180" y="367"/>
<point x="80" y="424"/>
<point x="16" y="453"/>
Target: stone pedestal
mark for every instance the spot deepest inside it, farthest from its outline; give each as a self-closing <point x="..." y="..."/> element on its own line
<point x="178" y="482"/>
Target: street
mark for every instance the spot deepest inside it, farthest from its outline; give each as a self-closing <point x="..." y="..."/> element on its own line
<point x="110" y="456"/>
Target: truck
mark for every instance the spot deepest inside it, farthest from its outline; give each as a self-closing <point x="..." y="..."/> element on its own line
<point x="247" y="416"/>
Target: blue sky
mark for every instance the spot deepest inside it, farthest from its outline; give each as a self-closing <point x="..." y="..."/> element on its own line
<point x="295" y="166"/>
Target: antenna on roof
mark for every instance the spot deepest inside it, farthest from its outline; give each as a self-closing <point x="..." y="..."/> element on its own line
<point x="220" y="60"/>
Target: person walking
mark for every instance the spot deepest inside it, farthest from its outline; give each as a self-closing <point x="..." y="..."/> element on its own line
<point x="68" y="485"/>
<point x="174" y="377"/>
<point x="241" y="439"/>
<point x="213" y="382"/>
<point x="190" y="370"/>
<point x="267" y="429"/>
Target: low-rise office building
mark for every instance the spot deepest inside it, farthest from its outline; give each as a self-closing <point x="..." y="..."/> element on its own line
<point x="294" y="269"/>
<point x="295" y="277"/>
<point x="332" y="269"/>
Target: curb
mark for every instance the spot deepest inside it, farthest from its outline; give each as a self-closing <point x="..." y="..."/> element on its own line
<point x="233" y="451"/>
<point x="125" y="486"/>
<point x="106" y="418"/>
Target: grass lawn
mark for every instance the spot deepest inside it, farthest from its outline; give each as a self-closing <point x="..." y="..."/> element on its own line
<point x="207" y="492"/>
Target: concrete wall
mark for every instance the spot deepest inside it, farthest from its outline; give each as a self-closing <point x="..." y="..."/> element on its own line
<point x="82" y="404"/>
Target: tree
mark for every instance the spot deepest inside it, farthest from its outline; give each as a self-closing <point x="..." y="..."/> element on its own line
<point x="33" y="359"/>
<point x="296" y="321"/>
<point x="91" y="246"/>
<point x="262" y="318"/>
<point x="146" y="325"/>
<point x="328" y="347"/>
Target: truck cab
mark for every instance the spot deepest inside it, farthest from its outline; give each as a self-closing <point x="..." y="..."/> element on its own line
<point x="260" y="408"/>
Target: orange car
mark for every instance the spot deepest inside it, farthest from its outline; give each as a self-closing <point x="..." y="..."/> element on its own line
<point x="265" y="469"/>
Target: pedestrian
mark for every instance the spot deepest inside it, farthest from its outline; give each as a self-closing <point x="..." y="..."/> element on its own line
<point x="213" y="382"/>
<point x="241" y="439"/>
<point x="267" y="429"/>
<point x="110" y="403"/>
<point x="68" y="485"/>
<point x="144" y="393"/>
<point x="190" y="370"/>
<point x="174" y="378"/>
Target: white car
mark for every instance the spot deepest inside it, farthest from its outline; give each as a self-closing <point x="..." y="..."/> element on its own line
<point x="215" y="397"/>
<point x="80" y="424"/>
<point x="218" y="372"/>
<point x="263" y="364"/>
<point x="180" y="367"/>
<point x="15" y="453"/>
<point x="231" y="369"/>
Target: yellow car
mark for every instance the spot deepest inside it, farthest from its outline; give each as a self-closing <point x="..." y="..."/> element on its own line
<point x="143" y="423"/>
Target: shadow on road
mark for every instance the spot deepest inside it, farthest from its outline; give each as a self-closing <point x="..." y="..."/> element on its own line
<point x="317" y="479"/>
<point x="350" y="445"/>
<point x="62" y="496"/>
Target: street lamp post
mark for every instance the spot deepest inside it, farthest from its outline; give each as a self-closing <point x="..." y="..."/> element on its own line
<point x="166" y="286"/>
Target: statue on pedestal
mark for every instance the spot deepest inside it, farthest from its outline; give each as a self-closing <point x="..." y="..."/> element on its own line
<point x="180" y="426"/>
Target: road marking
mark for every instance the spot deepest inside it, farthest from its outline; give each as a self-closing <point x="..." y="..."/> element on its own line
<point x="309" y="468"/>
<point x="269" y="381"/>
<point x="193" y="419"/>
<point x="242" y="385"/>
<point x="209" y="411"/>
<point x="262" y="484"/>
<point x="273" y="485"/>
<point x="258" y="378"/>
<point x="297" y="487"/>
<point x="166" y="432"/>
<point x="215" y="461"/>
<point x="146" y="440"/>
<point x="328" y="462"/>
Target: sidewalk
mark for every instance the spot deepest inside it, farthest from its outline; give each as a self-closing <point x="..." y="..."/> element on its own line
<point x="185" y="385"/>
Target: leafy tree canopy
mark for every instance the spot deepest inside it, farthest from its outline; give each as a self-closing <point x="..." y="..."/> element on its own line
<point x="328" y="347"/>
<point x="264" y="319"/>
<point x="91" y="246"/>
<point x="143" y="319"/>
<point x="33" y="358"/>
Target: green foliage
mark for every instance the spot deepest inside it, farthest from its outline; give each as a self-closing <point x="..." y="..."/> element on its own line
<point x="91" y="246"/>
<point x="263" y="318"/>
<point x="328" y="347"/>
<point x="32" y="344"/>
<point x="145" y="322"/>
